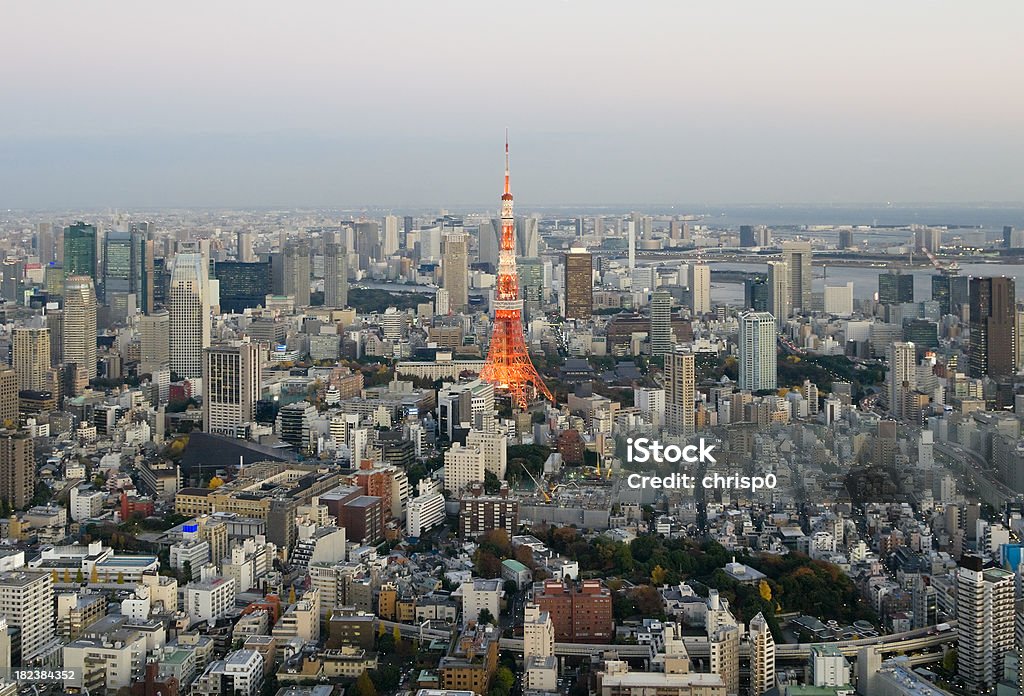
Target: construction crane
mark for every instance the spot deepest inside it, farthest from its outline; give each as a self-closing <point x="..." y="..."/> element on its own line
<point x="541" y="488"/>
<point x="951" y="269"/>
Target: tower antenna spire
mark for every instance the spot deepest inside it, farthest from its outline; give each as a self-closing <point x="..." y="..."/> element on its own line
<point x="507" y="189"/>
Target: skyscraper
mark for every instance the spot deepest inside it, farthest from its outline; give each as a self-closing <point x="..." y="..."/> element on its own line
<point x="797" y="256"/>
<point x="508" y="365"/>
<point x="661" y="323"/>
<point x="456" y="269"/>
<point x="45" y="243"/>
<point x="756" y="294"/>
<point x="680" y="391"/>
<point x="895" y="287"/>
<point x="700" y="288"/>
<point x="846" y="238"/>
<point x="389" y="245"/>
<point x="80" y="324"/>
<point x="758" y="368"/>
<point x="9" y="404"/>
<point x="155" y="341"/>
<point x="31" y="357"/>
<point x="367" y="236"/>
<point x="117" y="265"/>
<point x="762" y="656"/>
<point x="244" y="250"/>
<point x="951" y="291"/>
<point x="993" y="328"/>
<point x="17" y="469"/>
<point x="579" y="284"/>
<point x="335" y="274"/>
<point x="779" y="296"/>
<point x="189" y="313"/>
<point x="985" y="622"/>
<point x="80" y="250"/>
<point x="243" y="285"/>
<point x="631" y="233"/>
<point x="231" y="383"/>
<point x="901" y="378"/>
<point x="528" y="237"/>
<point x="487" y="243"/>
<point x="296" y="271"/>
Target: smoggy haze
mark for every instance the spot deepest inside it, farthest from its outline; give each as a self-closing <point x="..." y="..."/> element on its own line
<point x="198" y="103"/>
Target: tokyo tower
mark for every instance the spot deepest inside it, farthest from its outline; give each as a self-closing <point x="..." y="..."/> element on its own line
<point x="508" y="365"/>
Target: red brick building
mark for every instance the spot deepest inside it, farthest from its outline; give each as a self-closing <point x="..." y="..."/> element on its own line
<point x="580" y="613"/>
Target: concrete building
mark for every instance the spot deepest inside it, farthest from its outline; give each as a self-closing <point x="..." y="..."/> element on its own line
<point x="762" y="656"/>
<point x="189" y="314"/>
<point x="80" y="324"/>
<point x="985" y="622"/>
<point x="30" y="357"/>
<point x="578" y="284"/>
<point x="757" y="353"/>
<point x="231" y="388"/>
<point x="26" y="600"/>
<point x="463" y="466"/>
<point x="699" y="277"/>
<point x="797" y="256"/>
<point x="680" y="391"/>
<point x="478" y="595"/>
<point x="780" y="298"/>
<point x="455" y="268"/>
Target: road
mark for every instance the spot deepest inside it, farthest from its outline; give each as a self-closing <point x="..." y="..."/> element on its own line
<point x="968" y="463"/>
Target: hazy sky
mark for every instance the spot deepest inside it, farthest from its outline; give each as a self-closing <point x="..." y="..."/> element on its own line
<point x="405" y="102"/>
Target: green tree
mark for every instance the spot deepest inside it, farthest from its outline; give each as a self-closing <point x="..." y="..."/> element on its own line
<point x="486" y="617"/>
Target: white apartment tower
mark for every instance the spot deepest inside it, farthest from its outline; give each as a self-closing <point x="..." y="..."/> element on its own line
<point x="985" y="622"/>
<point x="758" y="367"/>
<point x="189" y="314"/>
<point x="231" y="387"/>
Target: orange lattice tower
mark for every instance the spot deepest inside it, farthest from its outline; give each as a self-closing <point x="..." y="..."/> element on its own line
<point x="508" y="365"/>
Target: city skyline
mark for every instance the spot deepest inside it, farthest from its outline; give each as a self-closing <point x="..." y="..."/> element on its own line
<point x="741" y="105"/>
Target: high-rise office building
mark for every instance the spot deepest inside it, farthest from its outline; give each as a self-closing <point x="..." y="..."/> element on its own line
<point x="55" y="323"/>
<point x="367" y="236"/>
<point x="985" y="622"/>
<point x="951" y="292"/>
<point x="661" y="323"/>
<point x="189" y="312"/>
<point x="527" y="237"/>
<point x="846" y="238"/>
<point x="762" y="656"/>
<point x="30" y="348"/>
<point x="756" y="294"/>
<point x="155" y="341"/>
<point x="779" y="296"/>
<point x="245" y="251"/>
<point x="901" y="377"/>
<point x="680" y="391"/>
<point x="81" y="250"/>
<point x="389" y="245"/>
<point x="487" y="243"/>
<point x="531" y="285"/>
<point x="117" y="265"/>
<point x="231" y="384"/>
<point x="243" y="285"/>
<point x="335" y="274"/>
<point x="755" y="236"/>
<point x="79" y="339"/>
<point x="27" y="599"/>
<point x="895" y="287"/>
<point x="456" y="269"/>
<point x="699" y="281"/>
<point x="631" y="241"/>
<point x="579" y="284"/>
<point x="45" y="243"/>
<point x="757" y="360"/>
<point x="993" y="338"/>
<point x="797" y="256"/>
<point x="839" y="300"/>
<point x="143" y="277"/>
<point x="17" y="469"/>
<point x="296" y="271"/>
